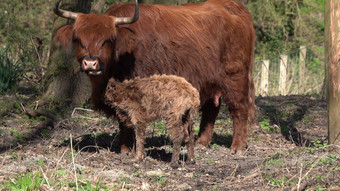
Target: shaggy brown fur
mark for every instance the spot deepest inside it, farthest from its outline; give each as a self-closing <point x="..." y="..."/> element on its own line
<point x="143" y="100"/>
<point x="210" y="44"/>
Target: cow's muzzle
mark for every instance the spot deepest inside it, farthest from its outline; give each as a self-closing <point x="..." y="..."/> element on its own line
<point x="91" y="66"/>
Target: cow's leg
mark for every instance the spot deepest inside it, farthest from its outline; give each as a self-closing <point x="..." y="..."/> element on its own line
<point x="239" y="99"/>
<point x="240" y="117"/>
<point x="209" y="114"/>
<point x="127" y="138"/>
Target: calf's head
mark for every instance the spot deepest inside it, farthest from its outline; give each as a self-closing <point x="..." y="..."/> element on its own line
<point x="94" y="36"/>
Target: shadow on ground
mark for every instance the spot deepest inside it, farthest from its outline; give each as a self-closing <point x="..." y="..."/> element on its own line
<point x="291" y="114"/>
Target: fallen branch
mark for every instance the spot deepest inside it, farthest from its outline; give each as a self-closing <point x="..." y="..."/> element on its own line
<point x="41" y="112"/>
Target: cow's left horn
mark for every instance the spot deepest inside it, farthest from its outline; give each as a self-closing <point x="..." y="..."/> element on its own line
<point x="63" y="13"/>
<point x="128" y="20"/>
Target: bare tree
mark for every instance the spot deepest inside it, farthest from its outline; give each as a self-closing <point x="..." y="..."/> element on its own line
<point x="332" y="47"/>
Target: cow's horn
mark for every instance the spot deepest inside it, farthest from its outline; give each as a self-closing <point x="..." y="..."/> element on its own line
<point x="128" y="20"/>
<point x="63" y="13"/>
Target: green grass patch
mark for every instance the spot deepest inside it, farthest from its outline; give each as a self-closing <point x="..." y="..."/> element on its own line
<point x="159" y="179"/>
<point x="17" y="134"/>
<point x="265" y="125"/>
<point x="11" y="70"/>
<point x="29" y="181"/>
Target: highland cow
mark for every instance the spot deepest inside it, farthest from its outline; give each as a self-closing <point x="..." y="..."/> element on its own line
<point x="169" y="98"/>
<point x="210" y="44"/>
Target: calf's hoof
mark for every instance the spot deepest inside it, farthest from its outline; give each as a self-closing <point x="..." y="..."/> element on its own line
<point x="135" y="160"/>
<point x="124" y="149"/>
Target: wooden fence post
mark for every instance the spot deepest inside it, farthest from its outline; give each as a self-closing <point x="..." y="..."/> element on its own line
<point x="283" y="74"/>
<point x="264" y="78"/>
<point x="302" y="67"/>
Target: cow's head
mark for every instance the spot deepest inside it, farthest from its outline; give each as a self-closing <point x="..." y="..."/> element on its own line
<point x="94" y="36"/>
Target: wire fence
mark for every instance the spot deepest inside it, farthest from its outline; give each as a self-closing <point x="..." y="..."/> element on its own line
<point x="299" y="72"/>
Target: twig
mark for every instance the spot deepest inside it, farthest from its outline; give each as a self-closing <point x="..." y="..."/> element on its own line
<point x="74" y="166"/>
<point x="232" y="174"/>
<point x="78" y="108"/>
<point x="251" y="176"/>
<point x="270" y="148"/>
<point x="300" y="178"/>
<point x="39" y="60"/>
<point x="44" y="176"/>
<point x="3" y="160"/>
<point x="123" y="185"/>
<point x="60" y="160"/>
<point x="260" y="173"/>
<point x="300" y="187"/>
<point x="36" y="105"/>
<point x="23" y="108"/>
<point x="36" y="50"/>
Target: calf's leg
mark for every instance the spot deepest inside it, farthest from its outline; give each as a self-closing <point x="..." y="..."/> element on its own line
<point x="140" y="141"/>
<point x="177" y="136"/>
<point x="190" y="145"/>
<point x="126" y="138"/>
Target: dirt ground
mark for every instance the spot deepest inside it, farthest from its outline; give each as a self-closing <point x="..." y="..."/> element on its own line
<point x="287" y="150"/>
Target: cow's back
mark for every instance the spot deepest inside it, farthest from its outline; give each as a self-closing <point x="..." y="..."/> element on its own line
<point x="205" y="43"/>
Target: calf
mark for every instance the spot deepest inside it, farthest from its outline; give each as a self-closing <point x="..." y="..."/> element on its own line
<point x="142" y="100"/>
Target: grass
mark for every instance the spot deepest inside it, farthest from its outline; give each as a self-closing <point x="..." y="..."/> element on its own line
<point x="11" y="70"/>
<point x="29" y="181"/>
<point x="17" y="134"/>
<point x="159" y="180"/>
<point x="265" y="125"/>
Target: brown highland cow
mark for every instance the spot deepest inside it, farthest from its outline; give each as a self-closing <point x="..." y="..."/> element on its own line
<point x="210" y="44"/>
<point x="142" y="100"/>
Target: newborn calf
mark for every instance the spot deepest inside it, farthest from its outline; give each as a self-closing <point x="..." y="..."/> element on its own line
<point x="142" y="100"/>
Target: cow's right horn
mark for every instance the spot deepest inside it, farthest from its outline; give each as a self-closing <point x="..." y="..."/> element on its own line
<point x="128" y="20"/>
<point x="63" y="13"/>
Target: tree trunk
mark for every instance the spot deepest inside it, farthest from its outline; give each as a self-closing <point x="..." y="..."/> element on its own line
<point x="64" y="82"/>
<point x="332" y="48"/>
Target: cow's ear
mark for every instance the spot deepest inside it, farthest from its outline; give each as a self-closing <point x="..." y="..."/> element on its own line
<point x="64" y="37"/>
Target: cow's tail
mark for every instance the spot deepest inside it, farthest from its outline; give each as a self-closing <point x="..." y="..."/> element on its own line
<point x="251" y="93"/>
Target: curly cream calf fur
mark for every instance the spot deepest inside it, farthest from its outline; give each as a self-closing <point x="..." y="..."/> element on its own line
<point x="142" y="100"/>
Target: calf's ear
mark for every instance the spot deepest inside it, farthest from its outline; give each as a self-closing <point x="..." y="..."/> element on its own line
<point x="64" y="37"/>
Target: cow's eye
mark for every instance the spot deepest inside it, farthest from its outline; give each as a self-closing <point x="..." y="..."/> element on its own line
<point x="107" y="42"/>
<point x="81" y="44"/>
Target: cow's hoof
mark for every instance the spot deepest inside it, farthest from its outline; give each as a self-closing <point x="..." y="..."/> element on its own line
<point x="174" y="165"/>
<point x="237" y="152"/>
<point x="202" y="142"/>
<point x="190" y="162"/>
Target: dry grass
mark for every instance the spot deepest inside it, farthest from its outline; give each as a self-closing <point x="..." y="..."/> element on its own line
<point x="295" y="157"/>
